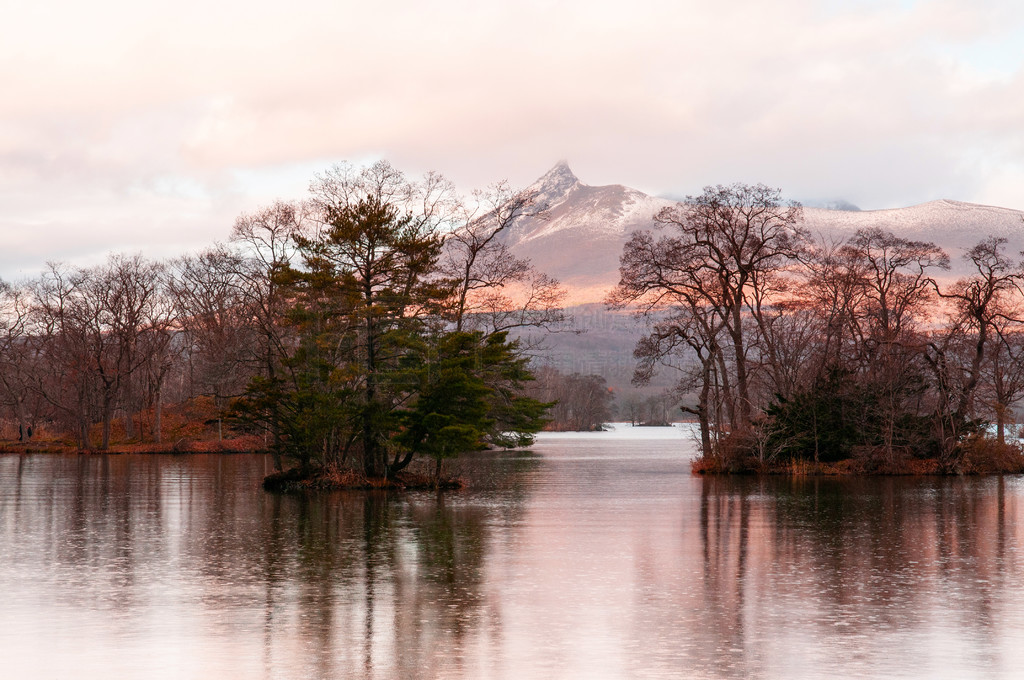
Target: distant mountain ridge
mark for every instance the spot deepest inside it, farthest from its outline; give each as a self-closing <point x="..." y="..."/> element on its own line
<point x="581" y="238"/>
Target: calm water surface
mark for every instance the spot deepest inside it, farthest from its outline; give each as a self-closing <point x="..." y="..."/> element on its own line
<point x="593" y="556"/>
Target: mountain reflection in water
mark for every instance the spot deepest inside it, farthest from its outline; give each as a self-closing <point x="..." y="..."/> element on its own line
<point x="596" y="556"/>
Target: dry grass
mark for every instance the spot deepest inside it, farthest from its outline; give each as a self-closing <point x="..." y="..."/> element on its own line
<point x="191" y="427"/>
<point x="984" y="456"/>
<point x="977" y="456"/>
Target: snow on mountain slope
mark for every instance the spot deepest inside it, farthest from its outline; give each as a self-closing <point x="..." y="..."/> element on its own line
<point x="581" y="238"/>
<point x="953" y="225"/>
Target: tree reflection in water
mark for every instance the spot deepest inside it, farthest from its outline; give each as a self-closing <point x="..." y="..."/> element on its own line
<point x="106" y="541"/>
<point x="858" y="567"/>
<point x="586" y="562"/>
<point x="402" y="573"/>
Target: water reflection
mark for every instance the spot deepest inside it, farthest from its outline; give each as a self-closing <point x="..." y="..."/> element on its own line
<point x="587" y="560"/>
<point x="336" y="585"/>
<point x="861" y="576"/>
<point x="370" y="583"/>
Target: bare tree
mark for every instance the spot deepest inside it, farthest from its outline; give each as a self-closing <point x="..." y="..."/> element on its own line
<point x="897" y="281"/>
<point x="17" y="355"/>
<point x="266" y="240"/>
<point x="495" y="291"/>
<point x="158" y="352"/>
<point x="61" y="322"/>
<point x="213" y="307"/>
<point x="982" y="317"/>
<point x="663" y="279"/>
<point x="582" y="402"/>
<point x="123" y="302"/>
<point x="896" y="289"/>
<point x="1004" y="386"/>
<point x="735" y="237"/>
<point x="835" y="291"/>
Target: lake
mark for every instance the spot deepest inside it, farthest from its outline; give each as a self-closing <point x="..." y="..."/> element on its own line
<point x="590" y="556"/>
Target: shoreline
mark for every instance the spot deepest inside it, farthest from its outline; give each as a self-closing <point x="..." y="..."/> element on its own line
<point x="242" y="445"/>
<point x="296" y="480"/>
<point x="922" y="467"/>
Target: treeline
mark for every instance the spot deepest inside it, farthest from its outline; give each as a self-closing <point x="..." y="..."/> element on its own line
<point x="586" y="403"/>
<point x="655" y="410"/>
<point x="579" y="403"/>
<point x="794" y="349"/>
<point x="360" y="327"/>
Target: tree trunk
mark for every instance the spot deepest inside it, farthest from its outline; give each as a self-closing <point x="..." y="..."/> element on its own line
<point x="158" y="407"/>
<point x="702" y="409"/>
<point x="84" y="418"/>
<point x="742" y="387"/>
<point x="23" y="425"/>
<point x="83" y="434"/>
<point x="1001" y="423"/>
<point x="400" y="462"/>
<point x="108" y="417"/>
<point x="129" y="424"/>
<point x="371" y="465"/>
<point x="967" y="393"/>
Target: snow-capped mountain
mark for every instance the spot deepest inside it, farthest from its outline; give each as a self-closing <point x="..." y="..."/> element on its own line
<point x="581" y="237"/>
<point x="953" y="225"/>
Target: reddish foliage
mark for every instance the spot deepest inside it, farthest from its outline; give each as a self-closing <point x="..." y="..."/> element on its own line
<point x="190" y="427"/>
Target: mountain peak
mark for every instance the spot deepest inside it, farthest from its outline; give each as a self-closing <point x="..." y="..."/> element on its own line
<point x="561" y="169"/>
<point x="556" y="182"/>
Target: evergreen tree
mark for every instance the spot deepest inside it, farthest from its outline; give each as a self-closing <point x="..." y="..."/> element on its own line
<point x="377" y="374"/>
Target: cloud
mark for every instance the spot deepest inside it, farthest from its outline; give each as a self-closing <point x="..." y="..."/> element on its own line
<point x="145" y="124"/>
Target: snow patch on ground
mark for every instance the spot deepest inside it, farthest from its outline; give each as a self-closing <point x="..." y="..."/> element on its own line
<point x="625" y="431"/>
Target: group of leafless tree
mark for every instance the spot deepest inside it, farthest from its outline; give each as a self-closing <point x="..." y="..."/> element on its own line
<point x="654" y="410"/>
<point x="791" y="347"/>
<point x="99" y="345"/>
<point x="579" y="403"/>
<point x="90" y="351"/>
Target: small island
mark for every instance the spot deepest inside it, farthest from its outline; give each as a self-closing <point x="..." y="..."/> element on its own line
<point x="798" y="356"/>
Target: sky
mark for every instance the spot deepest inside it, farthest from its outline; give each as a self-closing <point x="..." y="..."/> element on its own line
<point x="150" y="126"/>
